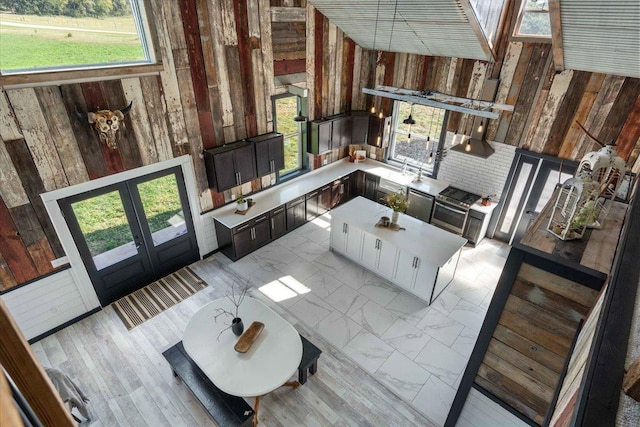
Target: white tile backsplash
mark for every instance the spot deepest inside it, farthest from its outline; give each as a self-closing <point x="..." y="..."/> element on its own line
<point x="475" y="174"/>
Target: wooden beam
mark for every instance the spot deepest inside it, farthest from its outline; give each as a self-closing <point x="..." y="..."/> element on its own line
<point x="21" y="364"/>
<point x="556" y="35"/>
<point x="477" y="29"/>
<point x="281" y="68"/>
<point x="288" y="14"/>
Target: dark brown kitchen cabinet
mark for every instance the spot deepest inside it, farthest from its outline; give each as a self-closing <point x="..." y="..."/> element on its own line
<point x="313" y="204"/>
<point x="329" y="133"/>
<point x="341" y="191"/>
<point x="278" y="222"/>
<point x="379" y="131"/>
<point x="359" y="127"/>
<point x="269" y="153"/>
<point x="230" y="165"/>
<point x="296" y="213"/>
<point x="326" y="199"/>
<point x="244" y="238"/>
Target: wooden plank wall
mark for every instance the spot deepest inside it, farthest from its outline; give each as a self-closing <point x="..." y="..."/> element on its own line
<point x="526" y="354"/>
<point x="216" y="88"/>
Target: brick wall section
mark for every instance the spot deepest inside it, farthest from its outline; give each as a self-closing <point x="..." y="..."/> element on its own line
<point x="481" y="176"/>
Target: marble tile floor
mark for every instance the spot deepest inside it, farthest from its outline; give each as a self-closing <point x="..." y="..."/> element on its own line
<point x="418" y="351"/>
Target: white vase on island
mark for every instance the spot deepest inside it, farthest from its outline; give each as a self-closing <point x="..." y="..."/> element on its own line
<point x="394" y="218"/>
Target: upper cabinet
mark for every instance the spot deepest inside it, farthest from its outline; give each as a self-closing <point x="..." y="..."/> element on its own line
<point x="230" y="165"/>
<point x="269" y="153"/>
<point x="379" y="131"/>
<point x="338" y="131"/>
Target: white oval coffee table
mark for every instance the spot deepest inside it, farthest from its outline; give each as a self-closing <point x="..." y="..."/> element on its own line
<point x="270" y="362"/>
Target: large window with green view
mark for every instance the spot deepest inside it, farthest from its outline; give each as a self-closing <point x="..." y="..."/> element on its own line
<point x="533" y="19"/>
<point x="285" y="108"/>
<point x="60" y="35"/>
<point x="417" y="145"/>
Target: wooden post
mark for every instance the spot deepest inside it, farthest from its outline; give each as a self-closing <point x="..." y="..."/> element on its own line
<point x="24" y="369"/>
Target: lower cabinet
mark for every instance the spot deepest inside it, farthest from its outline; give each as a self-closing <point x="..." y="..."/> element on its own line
<point x="278" y="222"/>
<point x="296" y="213"/>
<point x="475" y="228"/>
<point x="346" y="239"/>
<point x="378" y="255"/>
<point x="245" y="238"/>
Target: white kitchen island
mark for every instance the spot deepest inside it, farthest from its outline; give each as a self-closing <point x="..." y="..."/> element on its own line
<point x="420" y="259"/>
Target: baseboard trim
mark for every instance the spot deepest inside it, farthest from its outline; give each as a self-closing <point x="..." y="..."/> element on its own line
<point x="64" y="325"/>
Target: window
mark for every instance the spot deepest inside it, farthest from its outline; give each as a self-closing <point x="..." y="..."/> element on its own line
<point x="48" y="36"/>
<point x="285" y="108"/>
<point x="417" y="145"/>
<point x="533" y="19"/>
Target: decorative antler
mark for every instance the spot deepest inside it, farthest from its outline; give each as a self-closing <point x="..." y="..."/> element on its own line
<point x="589" y="134"/>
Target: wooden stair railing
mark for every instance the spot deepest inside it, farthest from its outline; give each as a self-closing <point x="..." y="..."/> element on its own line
<point x="23" y="367"/>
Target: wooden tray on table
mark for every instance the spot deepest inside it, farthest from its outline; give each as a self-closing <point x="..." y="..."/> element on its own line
<point x="249" y="336"/>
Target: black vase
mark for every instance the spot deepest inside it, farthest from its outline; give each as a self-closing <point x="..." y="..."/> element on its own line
<point x="237" y="326"/>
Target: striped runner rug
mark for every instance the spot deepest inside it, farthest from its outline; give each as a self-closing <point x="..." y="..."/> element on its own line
<point x="153" y="299"/>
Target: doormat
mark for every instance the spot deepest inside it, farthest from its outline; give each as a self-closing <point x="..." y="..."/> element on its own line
<point x="153" y="299"/>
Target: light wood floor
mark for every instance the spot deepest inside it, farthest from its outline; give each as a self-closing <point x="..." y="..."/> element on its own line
<point x="130" y="383"/>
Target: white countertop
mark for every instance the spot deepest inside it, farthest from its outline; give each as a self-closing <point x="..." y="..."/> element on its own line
<point x="272" y="359"/>
<point x="423" y="240"/>
<point x="280" y="194"/>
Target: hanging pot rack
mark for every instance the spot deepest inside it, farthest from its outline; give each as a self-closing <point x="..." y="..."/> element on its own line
<point x="431" y="98"/>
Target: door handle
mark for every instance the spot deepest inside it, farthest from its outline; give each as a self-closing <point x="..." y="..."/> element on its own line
<point x="239" y="178"/>
<point x="272" y="226"/>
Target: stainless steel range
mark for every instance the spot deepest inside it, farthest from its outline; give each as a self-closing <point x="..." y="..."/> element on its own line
<point x="452" y="209"/>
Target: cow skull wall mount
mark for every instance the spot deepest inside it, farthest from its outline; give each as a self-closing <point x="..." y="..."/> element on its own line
<point x="107" y="123"/>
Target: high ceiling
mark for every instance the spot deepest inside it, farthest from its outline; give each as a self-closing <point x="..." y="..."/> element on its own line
<point x="426" y="27"/>
<point x="591" y="35"/>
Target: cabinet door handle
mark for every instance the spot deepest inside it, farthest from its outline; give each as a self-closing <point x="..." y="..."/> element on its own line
<point x="243" y="227"/>
<point x="261" y="219"/>
<point x="413" y="265"/>
<point x="272" y="226"/>
<point x="253" y="233"/>
<point x="239" y="178"/>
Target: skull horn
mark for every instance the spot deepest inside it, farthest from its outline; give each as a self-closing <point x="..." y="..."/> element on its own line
<point x="81" y="115"/>
<point x="126" y="110"/>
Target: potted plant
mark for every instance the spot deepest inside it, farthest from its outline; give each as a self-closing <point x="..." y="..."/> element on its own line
<point x="399" y="203"/>
<point x="236" y="297"/>
<point x="242" y="203"/>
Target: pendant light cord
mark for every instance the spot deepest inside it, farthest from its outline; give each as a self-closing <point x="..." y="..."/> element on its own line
<point x="375" y="30"/>
<point x="393" y="23"/>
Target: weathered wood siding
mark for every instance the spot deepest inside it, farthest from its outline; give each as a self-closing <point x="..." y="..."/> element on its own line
<point x="219" y="64"/>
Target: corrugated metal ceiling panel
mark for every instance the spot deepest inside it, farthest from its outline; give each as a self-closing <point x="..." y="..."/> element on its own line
<point x="427" y="27"/>
<point x="601" y="36"/>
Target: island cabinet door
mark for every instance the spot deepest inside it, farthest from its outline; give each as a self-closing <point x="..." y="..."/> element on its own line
<point x="387" y="259"/>
<point x="338" y="236"/>
<point x="405" y="270"/>
<point x="370" y="251"/>
<point x="354" y="242"/>
<point x="424" y="280"/>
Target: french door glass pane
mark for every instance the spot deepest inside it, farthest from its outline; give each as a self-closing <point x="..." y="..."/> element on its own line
<point x="162" y="208"/>
<point x="549" y="185"/>
<point x="518" y="193"/>
<point x="105" y="228"/>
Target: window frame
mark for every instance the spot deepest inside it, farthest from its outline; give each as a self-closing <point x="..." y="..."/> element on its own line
<point x="143" y="17"/>
<point x="301" y="146"/>
<point x="416" y="164"/>
<point x="517" y="22"/>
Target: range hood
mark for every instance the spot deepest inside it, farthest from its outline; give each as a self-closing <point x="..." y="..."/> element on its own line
<point x="476" y="145"/>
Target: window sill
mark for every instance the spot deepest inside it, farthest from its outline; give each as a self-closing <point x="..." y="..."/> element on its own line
<point x="292" y="175"/>
<point x="17" y="81"/>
